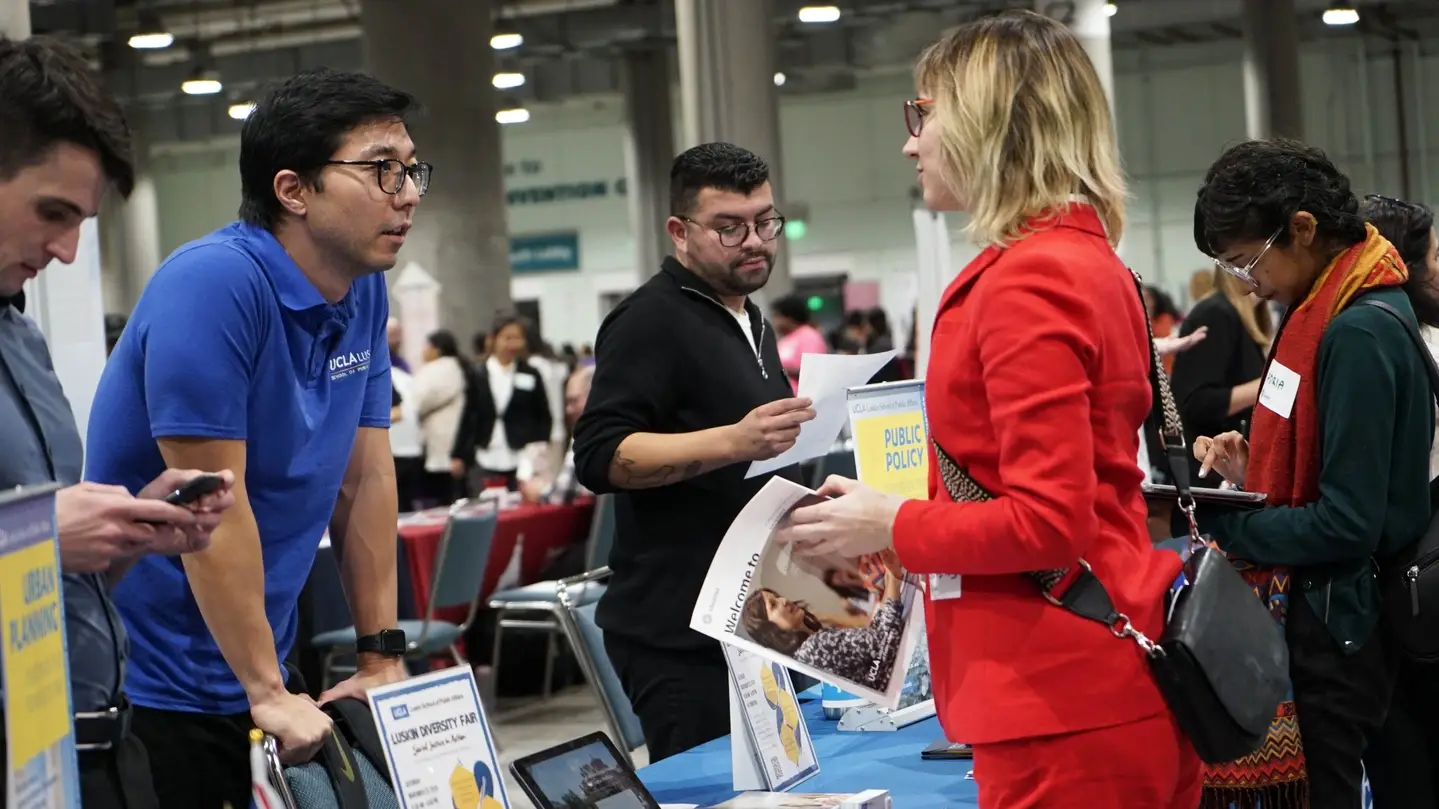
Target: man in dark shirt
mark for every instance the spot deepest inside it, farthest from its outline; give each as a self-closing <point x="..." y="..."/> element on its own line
<point x="688" y="388"/>
<point x="62" y="141"/>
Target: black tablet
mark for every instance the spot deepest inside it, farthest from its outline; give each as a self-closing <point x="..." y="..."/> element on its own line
<point x="585" y="773"/>
<point x="1233" y="498"/>
<point x="944" y="750"/>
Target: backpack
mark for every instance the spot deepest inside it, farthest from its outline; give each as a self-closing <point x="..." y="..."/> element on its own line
<point x="350" y="770"/>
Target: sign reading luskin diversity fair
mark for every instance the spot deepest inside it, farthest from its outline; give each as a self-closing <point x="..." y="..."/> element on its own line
<point x="42" y="772"/>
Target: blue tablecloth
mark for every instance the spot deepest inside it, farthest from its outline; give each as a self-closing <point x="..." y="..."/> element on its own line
<point x="848" y="762"/>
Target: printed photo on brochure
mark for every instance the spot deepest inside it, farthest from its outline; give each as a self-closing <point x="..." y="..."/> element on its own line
<point x="850" y="622"/>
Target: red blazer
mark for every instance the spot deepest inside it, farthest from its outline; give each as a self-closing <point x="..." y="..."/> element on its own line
<point x="1037" y="386"/>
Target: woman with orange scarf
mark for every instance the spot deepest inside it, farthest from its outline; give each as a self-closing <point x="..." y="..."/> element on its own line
<point x="1339" y="443"/>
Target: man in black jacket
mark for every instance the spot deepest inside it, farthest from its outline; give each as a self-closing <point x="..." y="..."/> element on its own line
<point x="688" y="389"/>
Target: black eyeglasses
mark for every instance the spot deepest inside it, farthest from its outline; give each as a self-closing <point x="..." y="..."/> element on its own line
<point x="391" y="173"/>
<point x="767" y="229"/>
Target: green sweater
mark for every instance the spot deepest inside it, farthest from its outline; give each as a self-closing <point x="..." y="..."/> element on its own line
<point x="1376" y="415"/>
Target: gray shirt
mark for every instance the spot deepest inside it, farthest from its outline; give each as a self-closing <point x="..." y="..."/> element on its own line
<point x="41" y="444"/>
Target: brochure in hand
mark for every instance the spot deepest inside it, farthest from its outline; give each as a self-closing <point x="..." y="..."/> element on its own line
<point x="850" y="622"/>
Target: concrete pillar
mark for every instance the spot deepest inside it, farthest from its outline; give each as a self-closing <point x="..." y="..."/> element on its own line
<point x="1273" y="103"/>
<point x="15" y="18"/>
<point x="727" y="66"/>
<point x="130" y="236"/>
<point x="439" y="50"/>
<point x="1090" y="24"/>
<point x="649" y="151"/>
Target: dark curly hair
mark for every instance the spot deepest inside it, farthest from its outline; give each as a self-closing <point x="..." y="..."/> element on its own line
<point x="1409" y="227"/>
<point x="1253" y="189"/>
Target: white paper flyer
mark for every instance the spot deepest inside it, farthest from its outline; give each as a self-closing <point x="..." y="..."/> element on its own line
<point x="850" y="622"/>
<point x="437" y="742"/>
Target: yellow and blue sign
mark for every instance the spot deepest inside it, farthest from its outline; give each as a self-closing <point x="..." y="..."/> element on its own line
<point x="891" y="439"/>
<point x="42" y="772"/>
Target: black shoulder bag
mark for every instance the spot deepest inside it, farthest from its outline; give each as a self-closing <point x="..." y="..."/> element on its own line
<point x="1410" y="578"/>
<point x="1222" y="664"/>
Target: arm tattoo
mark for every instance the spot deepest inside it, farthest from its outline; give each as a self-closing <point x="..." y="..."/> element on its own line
<point x="626" y="473"/>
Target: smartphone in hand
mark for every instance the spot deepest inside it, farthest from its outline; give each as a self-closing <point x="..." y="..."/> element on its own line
<point x="194" y="488"/>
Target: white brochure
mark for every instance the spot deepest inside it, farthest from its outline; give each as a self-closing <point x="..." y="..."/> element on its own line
<point x="770" y="744"/>
<point x="438" y="745"/>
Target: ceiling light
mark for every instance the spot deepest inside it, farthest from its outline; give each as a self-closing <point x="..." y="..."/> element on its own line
<point x="205" y="86"/>
<point x="241" y="111"/>
<point x="1341" y="16"/>
<point x="506" y="41"/>
<point x="779" y="79"/>
<point x="1110" y="9"/>
<point x="505" y="81"/>
<point x="819" y="14"/>
<point x="153" y="41"/>
<point x="518" y="115"/>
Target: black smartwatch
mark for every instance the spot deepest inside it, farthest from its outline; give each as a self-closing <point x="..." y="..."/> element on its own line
<point x="387" y="642"/>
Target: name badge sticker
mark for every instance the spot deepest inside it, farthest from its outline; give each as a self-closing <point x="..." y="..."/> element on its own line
<point x="1281" y="386"/>
<point x="524" y="382"/>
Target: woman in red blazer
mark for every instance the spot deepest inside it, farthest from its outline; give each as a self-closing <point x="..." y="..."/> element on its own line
<point x="1037" y="386"/>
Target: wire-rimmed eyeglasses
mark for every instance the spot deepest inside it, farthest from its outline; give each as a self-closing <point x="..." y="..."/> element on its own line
<point x="914" y="115"/>
<point x="767" y="229"/>
<point x="1246" y="273"/>
<point x="391" y="173"/>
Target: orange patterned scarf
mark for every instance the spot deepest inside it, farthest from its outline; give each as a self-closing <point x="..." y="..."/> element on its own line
<point x="1284" y="452"/>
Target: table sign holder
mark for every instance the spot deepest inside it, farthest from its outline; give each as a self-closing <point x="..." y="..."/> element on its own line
<point x="872" y="718"/>
<point x="438" y="745"/>
<point x="41" y="768"/>
<point x="770" y="746"/>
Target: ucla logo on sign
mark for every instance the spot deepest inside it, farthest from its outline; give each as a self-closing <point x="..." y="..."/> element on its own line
<point x="399" y="711"/>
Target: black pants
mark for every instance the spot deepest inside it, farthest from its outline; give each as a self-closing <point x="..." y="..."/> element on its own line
<point x="680" y="696"/>
<point x="409" y="482"/>
<point x="1403" y="762"/>
<point x="200" y="761"/>
<point x="110" y="779"/>
<point x="1341" y="701"/>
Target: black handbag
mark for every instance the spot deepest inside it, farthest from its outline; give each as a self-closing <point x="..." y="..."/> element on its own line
<point x="1410" y="578"/>
<point x="1221" y="664"/>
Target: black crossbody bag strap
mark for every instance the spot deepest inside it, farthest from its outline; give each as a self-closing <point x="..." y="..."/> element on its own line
<point x="1077" y="589"/>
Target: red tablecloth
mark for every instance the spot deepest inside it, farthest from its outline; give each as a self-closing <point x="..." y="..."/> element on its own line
<point x="547" y="531"/>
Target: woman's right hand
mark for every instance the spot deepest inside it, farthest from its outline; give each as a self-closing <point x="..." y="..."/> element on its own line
<point x="1226" y="453"/>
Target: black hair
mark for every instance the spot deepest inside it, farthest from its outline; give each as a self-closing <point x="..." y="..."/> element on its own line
<point x="299" y="124"/>
<point x="792" y="307"/>
<point x="721" y="166"/>
<point x="878" y="321"/>
<point x="856" y="319"/>
<point x="1163" y="303"/>
<point x="444" y="343"/>
<point x="1409" y="227"/>
<point x="1254" y="189"/>
<point x="49" y="95"/>
<point x="506" y="319"/>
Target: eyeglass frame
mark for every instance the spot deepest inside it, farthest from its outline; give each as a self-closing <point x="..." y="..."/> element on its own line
<point x="918" y="105"/>
<point x="407" y="172"/>
<point x="1246" y="273"/>
<point x="748" y="227"/>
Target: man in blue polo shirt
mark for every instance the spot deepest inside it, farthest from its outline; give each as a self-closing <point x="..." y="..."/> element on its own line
<point x="262" y="348"/>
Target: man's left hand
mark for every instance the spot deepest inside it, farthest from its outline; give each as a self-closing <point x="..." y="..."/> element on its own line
<point x="857" y="521"/>
<point x="372" y="673"/>
<point x="171" y="540"/>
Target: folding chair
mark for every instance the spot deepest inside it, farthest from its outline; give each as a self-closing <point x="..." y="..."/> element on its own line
<point x="460" y="564"/>
<point x="588" y="643"/>
<point x="542" y="600"/>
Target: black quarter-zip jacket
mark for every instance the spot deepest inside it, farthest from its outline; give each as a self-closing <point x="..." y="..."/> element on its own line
<point x="671" y="358"/>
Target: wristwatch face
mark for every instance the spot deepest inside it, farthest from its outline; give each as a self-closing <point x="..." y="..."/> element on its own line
<point x="388" y="642"/>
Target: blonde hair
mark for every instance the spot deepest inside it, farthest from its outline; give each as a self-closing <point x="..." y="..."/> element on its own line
<point x="1023" y="124"/>
<point x="1257" y="319"/>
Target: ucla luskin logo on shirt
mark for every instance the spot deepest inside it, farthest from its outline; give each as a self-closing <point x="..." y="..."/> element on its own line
<point x="350" y="362"/>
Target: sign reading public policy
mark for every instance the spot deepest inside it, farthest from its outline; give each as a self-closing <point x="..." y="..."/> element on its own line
<point x="42" y="772"/>
<point x="891" y="450"/>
